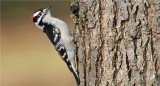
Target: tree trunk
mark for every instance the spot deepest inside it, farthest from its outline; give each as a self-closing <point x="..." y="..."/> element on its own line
<point x="118" y="42"/>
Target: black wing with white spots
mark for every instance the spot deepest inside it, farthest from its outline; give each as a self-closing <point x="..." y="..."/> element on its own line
<point x="55" y="37"/>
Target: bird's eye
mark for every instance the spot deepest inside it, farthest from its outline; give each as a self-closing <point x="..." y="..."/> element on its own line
<point x="40" y="14"/>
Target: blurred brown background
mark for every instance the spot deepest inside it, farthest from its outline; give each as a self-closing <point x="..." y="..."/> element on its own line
<point x="27" y="56"/>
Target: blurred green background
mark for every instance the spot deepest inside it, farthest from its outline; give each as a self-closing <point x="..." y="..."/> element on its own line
<point x="27" y="56"/>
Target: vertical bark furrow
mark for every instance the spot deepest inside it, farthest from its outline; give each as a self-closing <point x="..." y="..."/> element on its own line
<point x="88" y="55"/>
<point x="99" y="63"/>
<point x="82" y="64"/>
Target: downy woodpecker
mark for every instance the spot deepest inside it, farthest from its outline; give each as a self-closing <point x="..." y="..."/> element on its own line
<point x="60" y="36"/>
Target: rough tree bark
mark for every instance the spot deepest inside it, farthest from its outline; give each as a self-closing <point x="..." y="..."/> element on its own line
<point x="118" y="42"/>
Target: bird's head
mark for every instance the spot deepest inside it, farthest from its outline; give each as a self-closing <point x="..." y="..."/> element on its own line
<point x="40" y="14"/>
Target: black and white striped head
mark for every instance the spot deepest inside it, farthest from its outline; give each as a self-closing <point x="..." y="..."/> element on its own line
<point x="40" y="14"/>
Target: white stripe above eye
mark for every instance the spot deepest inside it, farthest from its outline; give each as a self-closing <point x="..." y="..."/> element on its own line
<point x="35" y="14"/>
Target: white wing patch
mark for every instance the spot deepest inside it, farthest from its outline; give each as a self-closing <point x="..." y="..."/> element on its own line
<point x="61" y="48"/>
<point x="56" y="30"/>
<point x="64" y="55"/>
<point x="56" y="36"/>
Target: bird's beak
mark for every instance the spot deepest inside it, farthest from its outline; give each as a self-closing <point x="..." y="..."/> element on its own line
<point x="48" y="9"/>
<point x="50" y="6"/>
